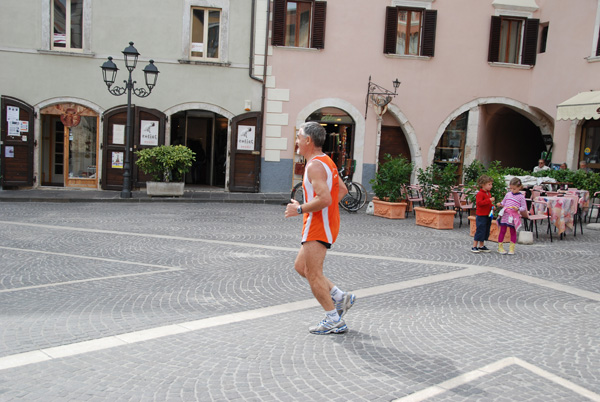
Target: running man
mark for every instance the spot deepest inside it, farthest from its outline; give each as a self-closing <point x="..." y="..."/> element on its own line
<point x="323" y="190"/>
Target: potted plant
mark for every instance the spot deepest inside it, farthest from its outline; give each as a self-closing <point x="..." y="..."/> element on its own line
<point x="388" y="185"/>
<point x="436" y="186"/>
<point x="167" y="164"/>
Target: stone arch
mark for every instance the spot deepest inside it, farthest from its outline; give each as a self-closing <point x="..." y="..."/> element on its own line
<point x="196" y="106"/>
<point x="199" y="106"/>
<point x="540" y="119"/>
<point x="54" y="101"/>
<point x="359" y="121"/>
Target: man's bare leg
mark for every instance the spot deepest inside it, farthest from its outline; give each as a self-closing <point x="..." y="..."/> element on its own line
<point x="309" y="264"/>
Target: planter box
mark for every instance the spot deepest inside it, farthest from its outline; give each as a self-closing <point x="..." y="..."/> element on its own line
<point x="494" y="231"/>
<point x="390" y="210"/>
<point x="160" y="189"/>
<point x="432" y="218"/>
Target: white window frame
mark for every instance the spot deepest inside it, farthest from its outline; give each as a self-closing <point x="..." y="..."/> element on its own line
<point x="48" y="29"/>
<point x="205" y="34"/>
<point x="186" y="53"/>
<point x="592" y="57"/>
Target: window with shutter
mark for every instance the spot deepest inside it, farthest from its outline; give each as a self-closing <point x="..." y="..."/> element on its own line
<point x="513" y="40"/>
<point x="299" y="23"/>
<point x="532" y="29"/>
<point x="410" y="31"/>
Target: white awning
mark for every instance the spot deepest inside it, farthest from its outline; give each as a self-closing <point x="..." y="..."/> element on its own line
<point x="583" y="106"/>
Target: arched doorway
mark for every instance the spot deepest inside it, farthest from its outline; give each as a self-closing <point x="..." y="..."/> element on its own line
<point x="340" y="128"/>
<point x="205" y="133"/>
<point x="69" y="146"/>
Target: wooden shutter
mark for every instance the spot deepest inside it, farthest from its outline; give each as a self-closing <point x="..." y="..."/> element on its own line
<point x="429" y="25"/>
<point x="16" y="158"/>
<point x="278" y="34"/>
<point x="532" y="29"/>
<point x="598" y="46"/>
<point x="494" y="49"/>
<point x="318" y="32"/>
<point x="391" y="30"/>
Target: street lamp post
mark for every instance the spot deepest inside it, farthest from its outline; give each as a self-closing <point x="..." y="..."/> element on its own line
<point x="109" y="74"/>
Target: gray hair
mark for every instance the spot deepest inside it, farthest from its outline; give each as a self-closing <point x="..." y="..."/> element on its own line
<point x="315" y="131"/>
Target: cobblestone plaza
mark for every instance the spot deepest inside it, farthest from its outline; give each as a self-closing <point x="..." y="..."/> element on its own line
<point x="199" y="301"/>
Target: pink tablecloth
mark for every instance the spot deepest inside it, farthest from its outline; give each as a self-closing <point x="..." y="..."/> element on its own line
<point x="561" y="211"/>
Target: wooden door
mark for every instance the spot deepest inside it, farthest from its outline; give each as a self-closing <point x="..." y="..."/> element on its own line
<point x="113" y="150"/>
<point x="148" y="132"/>
<point x="17" y="143"/>
<point x="244" y="163"/>
<point x="393" y="142"/>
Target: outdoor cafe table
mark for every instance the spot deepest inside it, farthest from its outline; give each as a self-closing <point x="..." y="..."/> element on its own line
<point x="561" y="211"/>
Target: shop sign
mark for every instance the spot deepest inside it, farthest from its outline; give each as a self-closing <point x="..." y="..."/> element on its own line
<point x="149" y="133"/>
<point x="245" y="138"/>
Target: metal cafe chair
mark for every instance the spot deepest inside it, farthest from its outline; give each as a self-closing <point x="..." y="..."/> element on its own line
<point x="534" y="218"/>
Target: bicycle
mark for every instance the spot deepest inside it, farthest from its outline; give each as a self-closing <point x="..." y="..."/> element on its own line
<point x="352" y="202"/>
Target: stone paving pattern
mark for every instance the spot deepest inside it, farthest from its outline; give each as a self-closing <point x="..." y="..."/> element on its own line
<point x="137" y="266"/>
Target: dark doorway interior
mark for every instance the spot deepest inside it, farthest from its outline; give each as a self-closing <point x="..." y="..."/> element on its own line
<point x="205" y="133"/>
<point x="511" y="139"/>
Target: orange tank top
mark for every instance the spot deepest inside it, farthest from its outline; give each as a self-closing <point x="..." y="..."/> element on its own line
<point x="322" y="225"/>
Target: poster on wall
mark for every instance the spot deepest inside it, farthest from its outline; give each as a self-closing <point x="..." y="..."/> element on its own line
<point x="9" y="151"/>
<point x="24" y="126"/>
<point x="245" y="138"/>
<point x="14" y="128"/>
<point x="117" y="160"/>
<point x="12" y="113"/>
<point x="118" y="134"/>
<point x="149" y="133"/>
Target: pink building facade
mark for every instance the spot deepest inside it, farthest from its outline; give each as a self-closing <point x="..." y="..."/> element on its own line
<point x="480" y="80"/>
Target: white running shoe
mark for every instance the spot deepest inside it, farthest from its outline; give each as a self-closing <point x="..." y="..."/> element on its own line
<point x="344" y="305"/>
<point x="329" y="327"/>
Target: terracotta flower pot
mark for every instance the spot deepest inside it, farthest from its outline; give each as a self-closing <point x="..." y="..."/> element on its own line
<point x="435" y="219"/>
<point x="390" y="210"/>
<point x="494" y="230"/>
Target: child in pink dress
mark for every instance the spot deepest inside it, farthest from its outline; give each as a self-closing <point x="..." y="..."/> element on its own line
<point x="513" y="205"/>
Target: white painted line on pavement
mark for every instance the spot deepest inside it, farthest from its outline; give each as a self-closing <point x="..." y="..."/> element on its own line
<point x="77" y="348"/>
<point x="99" y="278"/>
<point x="462" y="379"/>
<point x="499" y="271"/>
<point x="545" y="283"/>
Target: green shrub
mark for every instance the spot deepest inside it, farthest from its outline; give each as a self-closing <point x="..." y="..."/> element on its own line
<point x="166" y="163"/>
<point x="436" y="185"/>
<point x="392" y="175"/>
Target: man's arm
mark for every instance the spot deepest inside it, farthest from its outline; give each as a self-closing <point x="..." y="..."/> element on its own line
<point x="343" y="189"/>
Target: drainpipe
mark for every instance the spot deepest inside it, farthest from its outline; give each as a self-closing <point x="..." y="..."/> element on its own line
<point x="262" y="80"/>
<point x="250" y="67"/>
